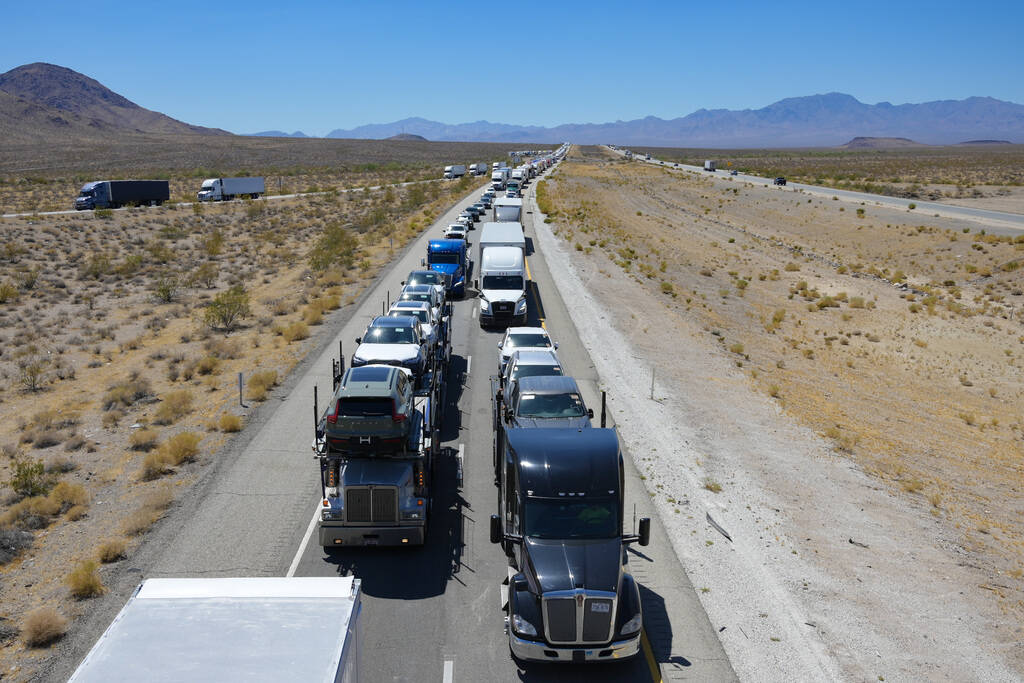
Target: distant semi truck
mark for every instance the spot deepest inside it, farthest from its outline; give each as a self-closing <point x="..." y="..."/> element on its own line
<point x="224" y="189"/>
<point x="454" y="171"/>
<point x="709" y="165"/>
<point x="112" y="194"/>
<point x="479" y="169"/>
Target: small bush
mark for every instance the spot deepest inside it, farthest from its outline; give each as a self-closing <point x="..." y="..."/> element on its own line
<point x="230" y="423"/>
<point x="8" y="292"/>
<point x="181" y="448"/>
<point x="175" y="405"/>
<point x="67" y="495"/>
<point x="29" y="478"/>
<point x="227" y="308"/>
<point x="736" y="348"/>
<point x="127" y="392"/>
<point x="260" y="384"/>
<point x="84" y="581"/>
<point x="143" y="439"/>
<point x="12" y="542"/>
<point x="111" y="551"/>
<point x="42" y="627"/>
<point x="152" y="509"/>
<point x="712" y="485"/>
<point x="295" y="332"/>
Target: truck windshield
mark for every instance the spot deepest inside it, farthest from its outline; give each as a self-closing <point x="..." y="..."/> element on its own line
<point x="442" y="258"/>
<point x="564" y="519"/>
<point x="550" y="406"/>
<point x="390" y="335"/>
<point x="86" y="193"/>
<point x="503" y="282"/>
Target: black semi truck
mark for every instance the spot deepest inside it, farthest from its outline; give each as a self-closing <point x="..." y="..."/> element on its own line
<point x="569" y="596"/>
<point x="112" y="194"/>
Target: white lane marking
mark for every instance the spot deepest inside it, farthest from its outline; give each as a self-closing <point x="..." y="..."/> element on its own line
<point x="302" y="546"/>
<point x="473" y="314"/>
<point x="469" y="364"/>
<point x="449" y="671"/>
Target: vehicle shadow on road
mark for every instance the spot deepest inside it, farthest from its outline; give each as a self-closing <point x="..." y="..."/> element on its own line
<point x="529" y="246"/>
<point x="451" y="426"/>
<point x="419" y="572"/>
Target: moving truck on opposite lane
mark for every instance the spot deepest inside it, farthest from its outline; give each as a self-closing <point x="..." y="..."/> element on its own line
<point x="112" y="194"/>
<point x="225" y="189"/>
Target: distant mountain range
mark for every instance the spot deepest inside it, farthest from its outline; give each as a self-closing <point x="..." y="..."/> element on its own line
<point x="816" y="120"/>
<point x="277" y="134"/>
<point x="45" y="101"/>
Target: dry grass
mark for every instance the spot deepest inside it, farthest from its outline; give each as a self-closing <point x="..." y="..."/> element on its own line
<point x="143" y="439"/>
<point x="260" y="384"/>
<point x="43" y="626"/>
<point x="178" y="449"/>
<point x="152" y="508"/>
<point x="84" y="581"/>
<point x="174" y="406"/>
<point x="230" y="423"/>
<point x="111" y="550"/>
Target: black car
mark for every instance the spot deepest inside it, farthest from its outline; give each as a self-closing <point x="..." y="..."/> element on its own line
<point x="780" y="181"/>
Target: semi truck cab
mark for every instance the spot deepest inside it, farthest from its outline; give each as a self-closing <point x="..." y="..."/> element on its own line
<point x="450" y="257"/>
<point x="569" y="596"/>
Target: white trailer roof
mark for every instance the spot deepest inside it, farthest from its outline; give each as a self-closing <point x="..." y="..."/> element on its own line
<point x="224" y="629"/>
<point x="507" y="233"/>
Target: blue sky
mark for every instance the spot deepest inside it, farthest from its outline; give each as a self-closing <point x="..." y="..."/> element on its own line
<point x="317" y="66"/>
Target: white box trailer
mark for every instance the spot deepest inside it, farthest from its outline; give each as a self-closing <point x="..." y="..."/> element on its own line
<point x="709" y="165"/>
<point x="224" y="189"/>
<point x="454" y="171"/>
<point x="232" y="629"/>
<point x="507" y="209"/>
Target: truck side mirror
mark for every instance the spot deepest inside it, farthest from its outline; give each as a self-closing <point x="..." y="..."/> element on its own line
<point x="403" y="281"/>
<point x="556" y="346"/>
<point x="476" y="284"/>
<point x="359" y="340"/>
<point x="590" y="413"/>
<point x="645" y="530"/>
<point x="496" y="529"/>
<point x="423" y="262"/>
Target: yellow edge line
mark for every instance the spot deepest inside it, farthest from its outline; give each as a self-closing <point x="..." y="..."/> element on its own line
<point x="649" y="654"/>
<point x="530" y="278"/>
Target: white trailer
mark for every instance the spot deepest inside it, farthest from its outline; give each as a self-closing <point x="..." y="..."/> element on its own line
<point x="709" y="165"/>
<point x="232" y="629"/>
<point x="454" y="171"/>
<point x="224" y="189"/>
<point x="479" y="169"/>
<point x="507" y="210"/>
<point x="502" y="282"/>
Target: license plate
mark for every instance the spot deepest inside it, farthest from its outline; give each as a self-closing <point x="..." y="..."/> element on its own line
<point x="371" y="541"/>
<point x="600" y="607"/>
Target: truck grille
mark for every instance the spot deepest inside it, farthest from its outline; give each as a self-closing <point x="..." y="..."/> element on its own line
<point x="561" y="620"/>
<point x="378" y="504"/>
<point x="503" y="308"/>
<point x="564" y="615"/>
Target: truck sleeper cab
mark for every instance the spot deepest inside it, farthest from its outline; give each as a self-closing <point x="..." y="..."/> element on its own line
<point x="569" y="596"/>
<point x="450" y="258"/>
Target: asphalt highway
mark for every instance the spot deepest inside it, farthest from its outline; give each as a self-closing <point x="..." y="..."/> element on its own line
<point x="432" y="612"/>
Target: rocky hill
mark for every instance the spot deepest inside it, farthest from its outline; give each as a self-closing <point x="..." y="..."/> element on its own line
<point x="40" y="101"/>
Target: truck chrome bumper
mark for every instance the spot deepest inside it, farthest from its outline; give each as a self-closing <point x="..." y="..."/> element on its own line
<point x="334" y="534"/>
<point x="534" y="651"/>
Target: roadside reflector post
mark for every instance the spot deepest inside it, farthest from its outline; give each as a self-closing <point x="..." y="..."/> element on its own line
<point x="315" y="411"/>
<point x="240" y="390"/>
<point x="604" y="403"/>
<point x="652" y="382"/>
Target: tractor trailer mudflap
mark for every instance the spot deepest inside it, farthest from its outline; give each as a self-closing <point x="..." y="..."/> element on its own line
<point x="336" y="534"/>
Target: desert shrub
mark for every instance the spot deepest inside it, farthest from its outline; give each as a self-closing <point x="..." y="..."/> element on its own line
<point x="43" y="626"/>
<point x="29" y="478"/>
<point x="230" y="423"/>
<point x="32" y="372"/>
<point x="153" y="467"/>
<point x="295" y="332"/>
<point x="12" y="542"/>
<point x="97" y="266"/>
<point x="166" y="287"/>
<point x="8" y="292"/>
<point x="180" y="448"/>
<point x="336" y="246"/>
<point x="223" y="348"/>
<point x="260" y="384"/>
<point x="205" y="275"/>
<point x="207" y="365"/>
<point x="175" y="405"/>
<point x="111" y="551"/>
<point x="143" y="439"/>
<point x="77" y="512"/>
<point x="126" y="393"/>
<point x="227" y="308"/>
<point x="84" y="581"/>
<point x="312" y="316"/>
<point x="67" y="495"/>
<point x="152" y="508"/>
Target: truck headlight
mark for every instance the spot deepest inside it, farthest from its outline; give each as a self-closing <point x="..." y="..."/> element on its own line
<point x="520" y="625"/>
<point x="521" y="306"/>
<point x="633" y="625"/>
